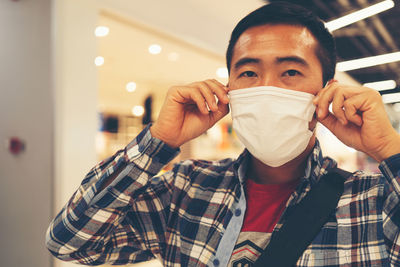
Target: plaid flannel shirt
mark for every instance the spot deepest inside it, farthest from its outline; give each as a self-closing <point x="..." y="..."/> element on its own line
<point x="181" y="216"/>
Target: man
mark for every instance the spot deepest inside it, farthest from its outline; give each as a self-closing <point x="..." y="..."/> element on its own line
<point x="223" y="213"/>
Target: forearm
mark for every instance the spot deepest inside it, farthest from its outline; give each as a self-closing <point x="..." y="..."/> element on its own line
<point x="113" y="176"/>
<point x="390" y="168"/>
<point x="88" y="221"/>
<point x="99" y="205"/>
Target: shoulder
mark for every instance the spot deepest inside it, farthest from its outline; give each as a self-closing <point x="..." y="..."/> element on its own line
<point x="201" y="166"/>
<point x="365" y="184"/>
<point x="204" y="172"/>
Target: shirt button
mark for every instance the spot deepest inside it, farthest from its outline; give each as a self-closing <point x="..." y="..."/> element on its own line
<point x="216" y="262"/>
<point x="238" y="212"/>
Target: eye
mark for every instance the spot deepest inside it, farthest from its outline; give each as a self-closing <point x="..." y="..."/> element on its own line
<point x="248" y="73"/>
<point x="291" y="73"/>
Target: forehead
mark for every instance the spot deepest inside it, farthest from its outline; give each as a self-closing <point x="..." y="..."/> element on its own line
<point x="276" y="41"/>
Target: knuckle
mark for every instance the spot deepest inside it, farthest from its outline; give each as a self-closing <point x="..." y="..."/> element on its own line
<point x="195" y="84"/>
<point x="172" y="89"/>
<point x="376" y="94"/>
<point x="337" y="109"/>
<point x="216" y="81"/>
<point x="323" y="103"/>
<point x="203" y="86"/>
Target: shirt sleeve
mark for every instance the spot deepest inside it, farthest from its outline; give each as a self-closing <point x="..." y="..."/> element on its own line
<point x="112" y="225"/>
<point x="390" y="168"/>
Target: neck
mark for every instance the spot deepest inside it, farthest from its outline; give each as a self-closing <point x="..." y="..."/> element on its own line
<point x="292" y="170"/>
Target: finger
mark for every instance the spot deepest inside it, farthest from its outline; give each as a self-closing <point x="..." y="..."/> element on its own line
<point x="327" y="96"/>
<point x="342" y="132"/>
<point x="193" y="95"/>
<point x="351" y="107"/>
<point x="219" y="90"/>
<point x="337" y="107"/>
<point x="330" y="122"/>
<point x="332" y="81"/>
<point x="323" y="100"/>
<point x="208" y="95"/>
<point x="322" y="91"/>
<point x="223" y="109"/>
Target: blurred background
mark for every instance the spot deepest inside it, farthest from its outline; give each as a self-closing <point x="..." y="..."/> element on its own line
<point x="80" y="79"/>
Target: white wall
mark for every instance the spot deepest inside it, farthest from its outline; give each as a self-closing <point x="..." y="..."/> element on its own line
<point x="26" y="111"/>
<point x="75" y="96"/>
<point x="48" y="98"/>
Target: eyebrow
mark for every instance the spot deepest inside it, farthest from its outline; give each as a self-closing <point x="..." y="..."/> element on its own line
<point x="293" y="59"/>
<point x="279" y="60"/>
<point x="246" y="60"/>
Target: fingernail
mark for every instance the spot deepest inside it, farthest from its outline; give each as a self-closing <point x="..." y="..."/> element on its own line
<point x="332" y="81"/>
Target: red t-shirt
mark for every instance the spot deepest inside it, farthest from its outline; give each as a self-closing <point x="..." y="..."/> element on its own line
<point x="265" y="204"/>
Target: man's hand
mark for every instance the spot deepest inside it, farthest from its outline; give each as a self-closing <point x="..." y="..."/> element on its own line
<point x="185" y="116"/>
<point x="359" y="119"/>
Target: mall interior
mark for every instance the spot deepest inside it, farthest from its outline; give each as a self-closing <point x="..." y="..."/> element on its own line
<point x="80" y="79"/>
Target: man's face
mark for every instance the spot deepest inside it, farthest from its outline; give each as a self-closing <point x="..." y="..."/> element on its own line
<point x="276" y="55"/>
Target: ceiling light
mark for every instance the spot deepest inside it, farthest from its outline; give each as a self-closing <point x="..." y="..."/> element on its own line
<point x="101" y="31"/>
<point x="131" y="87"/>
<point x="382" y="85"/>
<point x="222" y="72"/>
<point x="359" y="15"/>
<point x="138" y="111"/>
<point x="391" y="98"/>
<point x="173" y="56"/>
<point x="154" y="49"/>
<point x="99" y="61"/>
<point x="368" y="62"/>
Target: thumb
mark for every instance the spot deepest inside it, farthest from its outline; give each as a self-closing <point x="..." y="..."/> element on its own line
<point x="223" y="109"/>
<point x="330" y="122"/>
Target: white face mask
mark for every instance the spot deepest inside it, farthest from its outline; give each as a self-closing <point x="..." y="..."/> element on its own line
<point x="272" y="122"/>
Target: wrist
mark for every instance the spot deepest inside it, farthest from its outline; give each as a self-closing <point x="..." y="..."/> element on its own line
<point x="157" y="134"/>
<point x="391" y="148"/>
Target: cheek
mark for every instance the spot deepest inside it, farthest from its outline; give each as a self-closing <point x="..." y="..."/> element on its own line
<point x="234" y="84"/>
<point x="313" y="82"/>
<point x="313" y="85"/>
<point x="315" y="90"/>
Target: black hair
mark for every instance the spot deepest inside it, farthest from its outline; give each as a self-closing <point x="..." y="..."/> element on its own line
<point x="288" y="13"/>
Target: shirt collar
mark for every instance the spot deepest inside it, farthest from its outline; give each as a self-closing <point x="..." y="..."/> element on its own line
<point x="240" y="165"/>
<point x="317" y="164"/>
